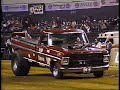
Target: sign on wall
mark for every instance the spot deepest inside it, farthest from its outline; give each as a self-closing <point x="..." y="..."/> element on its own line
<point x="87" y="4"/>
<point x="36" y="8"/>
<point x="15" y="8"/>
<point x="58" y="6"/>
<point x="109" y="2"/>
<point x="73" y="5"/>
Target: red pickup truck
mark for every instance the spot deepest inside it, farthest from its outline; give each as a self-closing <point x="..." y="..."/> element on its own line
<point x="57" y="50"/>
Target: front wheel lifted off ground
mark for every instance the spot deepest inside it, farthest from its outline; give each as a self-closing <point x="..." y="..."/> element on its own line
<point x="57" y="73"/>
<point x="20" y="66"/>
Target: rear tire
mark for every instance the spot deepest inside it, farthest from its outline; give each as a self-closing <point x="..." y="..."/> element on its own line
<point x="20" y="66"/>
<point x="98" y="74"/>
<point x="57" y="73"/>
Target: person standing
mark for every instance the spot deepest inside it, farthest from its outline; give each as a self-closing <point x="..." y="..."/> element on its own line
<point x="26" y="23"/>
<point x="58" y="22"/>
<point x="109" y="46"/>
<point x="99" y="44"/>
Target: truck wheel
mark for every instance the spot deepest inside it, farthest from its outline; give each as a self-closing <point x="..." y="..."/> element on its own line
<point x="57" y="73"/>
<point x="20" y="66"/>
<point x="98" y="74"/>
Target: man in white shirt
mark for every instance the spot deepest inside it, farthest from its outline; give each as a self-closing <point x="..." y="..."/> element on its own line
<point x="99" y="45"/>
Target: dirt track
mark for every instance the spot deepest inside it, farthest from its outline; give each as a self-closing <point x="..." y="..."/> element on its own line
<point x="41" y="79"/>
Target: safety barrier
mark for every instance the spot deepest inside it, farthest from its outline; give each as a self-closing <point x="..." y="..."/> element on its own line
<point x="114" y="57"/>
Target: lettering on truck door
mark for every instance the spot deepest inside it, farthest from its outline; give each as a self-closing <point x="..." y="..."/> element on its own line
<point x="41" y="56"/>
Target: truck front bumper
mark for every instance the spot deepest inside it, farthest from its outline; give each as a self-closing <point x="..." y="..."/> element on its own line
<point x="88" y="69"/>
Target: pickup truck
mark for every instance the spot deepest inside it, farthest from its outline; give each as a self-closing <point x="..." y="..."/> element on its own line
<point x="57" y="50"/>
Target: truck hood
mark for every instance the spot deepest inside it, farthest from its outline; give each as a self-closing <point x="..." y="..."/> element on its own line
<point x="85" y="50"/>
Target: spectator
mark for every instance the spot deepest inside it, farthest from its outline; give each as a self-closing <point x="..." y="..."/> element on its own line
<point x="73" y="24"/>
<point x="58" y="22"/>
<point x="109" y="46"/>
<point x="95" y="43"/>
<point x="99" y="44"/>
<point x="25" y="23"/>
<point x="33" y="31"/>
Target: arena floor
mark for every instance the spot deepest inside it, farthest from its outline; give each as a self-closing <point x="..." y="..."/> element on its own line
<point x="41" y="79"/>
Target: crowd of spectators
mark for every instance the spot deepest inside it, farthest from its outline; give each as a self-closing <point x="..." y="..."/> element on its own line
<point x="88" y="25"/>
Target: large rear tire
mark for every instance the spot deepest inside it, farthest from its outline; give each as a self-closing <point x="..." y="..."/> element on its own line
<point x="57" y="73"/>
<point x="20" y="66"/>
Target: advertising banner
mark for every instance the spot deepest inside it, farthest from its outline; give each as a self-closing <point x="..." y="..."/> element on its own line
<point x="87" y="4"/>
<point x="73" y="5"/>
<point x="109" y="2"/>
<point x="58" y="6"/>
<point x="36" y="8"/>
<point x="15" y="8"/>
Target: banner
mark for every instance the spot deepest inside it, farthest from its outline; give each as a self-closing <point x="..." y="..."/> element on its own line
<point x="109" y="2"/>
<point x="58" y="6"/>
<point x="15" y="8"/>
<point x="87" y="4"/>
<point x="73" y="5"/>
<point x="36" y="8"/>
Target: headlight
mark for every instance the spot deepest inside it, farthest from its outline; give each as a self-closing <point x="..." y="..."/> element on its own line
<point x="106" y="58"/>
<point x="65" y="61"/>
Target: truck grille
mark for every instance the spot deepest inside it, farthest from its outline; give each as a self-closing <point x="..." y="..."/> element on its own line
<point x="86" y="60"/>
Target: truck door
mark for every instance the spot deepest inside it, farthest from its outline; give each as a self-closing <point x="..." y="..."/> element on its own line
<point x="41" y="50"/>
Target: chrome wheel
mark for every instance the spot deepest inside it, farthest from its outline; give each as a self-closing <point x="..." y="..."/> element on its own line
<point x="55" y="71"/>
<point x="15" y="66"/>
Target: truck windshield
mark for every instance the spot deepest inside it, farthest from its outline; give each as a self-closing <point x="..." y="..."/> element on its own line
<point x="69" y="38"/>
